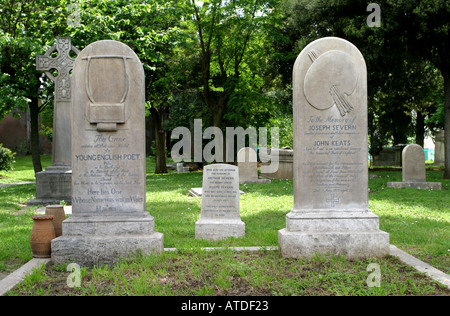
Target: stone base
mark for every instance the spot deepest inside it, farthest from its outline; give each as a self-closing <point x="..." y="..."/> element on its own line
<point x="352" y="233"/>
<point x="90" y="240"/>
<point x="219" y="229"/>
<point x="416" y="185"/>
<point x="53" y="186"/>
<point x="354" y="245"/>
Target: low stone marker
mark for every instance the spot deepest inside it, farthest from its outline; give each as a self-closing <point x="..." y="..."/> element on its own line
<point x="331" y="213"/>
<point x="109" y="220"/>
<point x="413" y="170"/>
<point x="220" y="214"/>
<point x="248" y="166"/>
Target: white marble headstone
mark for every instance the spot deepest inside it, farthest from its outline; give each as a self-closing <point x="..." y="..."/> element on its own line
<point x="220" y="213"/>
<point x="330" y="168"/>
<point x="109" y="217"/>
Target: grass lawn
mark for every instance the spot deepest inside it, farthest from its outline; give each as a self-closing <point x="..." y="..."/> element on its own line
<point x="418" y="222"/>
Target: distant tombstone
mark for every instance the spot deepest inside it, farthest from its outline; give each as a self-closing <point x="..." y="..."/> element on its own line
<point x="391" y="156"/>
<point x="220" y="214"/>
<point x="439" y="149"/>
<point x="331" y="214"/>
<point x="283" y="166"/>
<point x="413" y="170"/>
<point x="54" y="184"/>
<point x="248" y="166"/>
<point x="109" y="220"/>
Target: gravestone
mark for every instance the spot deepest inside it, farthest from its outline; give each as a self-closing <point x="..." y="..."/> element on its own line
<point x="54" y="183"/>
<point x="248" y="166"/>
<point x="220" y="215"/>
<point x="278" y="163"/>
<point x="109" y="218"/>
<point x="413" y="170"/>
<point x="439" y="152"/>
<point x="331" y="213"/>
<point x="391" y="156"/>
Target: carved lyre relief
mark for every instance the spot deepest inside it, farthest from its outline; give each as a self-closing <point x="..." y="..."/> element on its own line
<point x="107" y="85"/>
<point x="333" y="72"/>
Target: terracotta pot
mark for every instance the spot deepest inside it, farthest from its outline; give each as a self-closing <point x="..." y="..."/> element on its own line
<point x="60" y="216"/>
<point x="41" y="236"/>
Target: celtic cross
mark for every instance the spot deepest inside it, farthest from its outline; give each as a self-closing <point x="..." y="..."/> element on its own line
<point x="62" y="133"/>
<point x="63" y="63"/>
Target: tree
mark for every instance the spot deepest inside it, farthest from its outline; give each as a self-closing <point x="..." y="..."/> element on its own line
<point x="410" y="32"/>
<point x="23" y="35"/>
<point x="426" y="28"/>
<point x="150" y="28"/>
<point x="226" y="31"/>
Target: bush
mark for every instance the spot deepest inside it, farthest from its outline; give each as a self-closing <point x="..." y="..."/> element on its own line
<point x="6" y="158"/>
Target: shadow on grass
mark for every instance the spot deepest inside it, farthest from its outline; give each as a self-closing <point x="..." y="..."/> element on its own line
<point x="13" y="198"/>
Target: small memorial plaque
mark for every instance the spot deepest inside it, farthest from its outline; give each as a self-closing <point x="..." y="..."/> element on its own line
<point x="220" y="215"/>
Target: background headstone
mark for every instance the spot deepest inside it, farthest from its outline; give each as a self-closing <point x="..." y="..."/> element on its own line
<point x="248" y="166"/>
<point x="220" y="213"/>
<point x="413" y="170"/>
<point x="109" y="218"/>
<point x="439" y="152"/>
<point x="283" y="168"/>
<point x="331" y="213"/>
<point x="54" y="183"/>
<point x="391" y="156"/>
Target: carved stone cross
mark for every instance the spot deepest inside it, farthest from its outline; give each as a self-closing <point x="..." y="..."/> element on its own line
<point x="333" y="200"/>
<point x="63" y="63"/>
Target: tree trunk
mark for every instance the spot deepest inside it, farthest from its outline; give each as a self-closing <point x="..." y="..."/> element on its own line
<point x="446" y="76"/>
<point x="160" y="140"/>
<point x="217" y="110"/>
<point x="420" y="129"/>
<point x="34" y="134"/>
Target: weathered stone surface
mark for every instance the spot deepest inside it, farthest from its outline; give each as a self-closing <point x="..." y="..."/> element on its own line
<point x="220" y="215"/>
<point x="248" y="166"/>
<point x="279" y="163"/>
<point x="439" y="152"/>
<point x="54" y="183"/>
<point x="413" y="164"/>
<point x="330" y="171"/>
<point x="109" y="218"/>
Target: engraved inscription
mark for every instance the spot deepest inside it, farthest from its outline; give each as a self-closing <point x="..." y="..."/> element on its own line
<point x="220" y="193"/>
<point x="106" y="172"/>
<point x="335" y="167"/>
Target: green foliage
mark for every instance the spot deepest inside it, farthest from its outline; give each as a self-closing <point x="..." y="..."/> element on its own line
<point x="403" y="80"/>
<point x="6" y="158"/>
